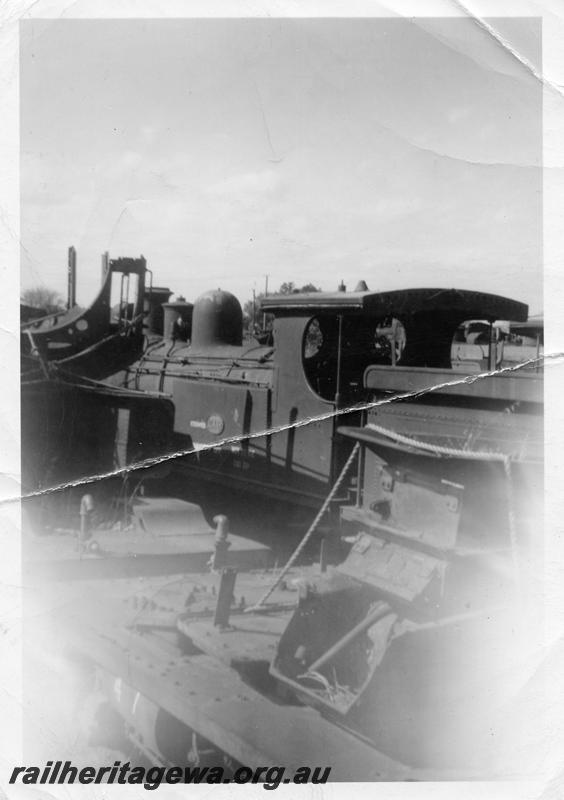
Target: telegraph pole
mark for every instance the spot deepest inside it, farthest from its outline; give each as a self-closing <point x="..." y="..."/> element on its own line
<point x="266" y="295"/>
<point x="71" y="278"/>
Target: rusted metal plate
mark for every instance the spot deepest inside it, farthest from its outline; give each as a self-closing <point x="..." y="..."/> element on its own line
<point x="519" y="436"/>
<point x="127" y="554"/>
<point x="170" y="516"/>
<point x="248" y="637"/>
<point x="251" y="728"/>
<point x="508" y="386"/>
<point x="398" y="571"/>
<point x="213" y="699"/>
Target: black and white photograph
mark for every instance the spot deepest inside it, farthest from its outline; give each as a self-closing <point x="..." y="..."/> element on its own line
<point x="284" y="518"/>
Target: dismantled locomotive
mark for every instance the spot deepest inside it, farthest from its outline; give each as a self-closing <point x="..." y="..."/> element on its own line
<point x="96" y="341"/>
<point x="196" y="385"/>
<point x="397" y="660"/>
<point x="396" y="663"/>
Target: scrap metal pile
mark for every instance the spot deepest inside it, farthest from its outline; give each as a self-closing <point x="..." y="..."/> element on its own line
<point x="386" y="644"/>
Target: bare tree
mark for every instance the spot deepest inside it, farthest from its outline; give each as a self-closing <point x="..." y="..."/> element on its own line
<point x="44" y="298"/>
<point x="288" y="287"/>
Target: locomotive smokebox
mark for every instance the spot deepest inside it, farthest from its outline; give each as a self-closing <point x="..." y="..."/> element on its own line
<point x="218" y="320"/>
<point x="178" y="320"/>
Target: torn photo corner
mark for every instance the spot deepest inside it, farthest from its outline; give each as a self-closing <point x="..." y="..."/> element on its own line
<point x="283" y="382"/>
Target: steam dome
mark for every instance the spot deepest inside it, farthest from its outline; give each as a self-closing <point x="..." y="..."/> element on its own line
<point x="217" y="320"/>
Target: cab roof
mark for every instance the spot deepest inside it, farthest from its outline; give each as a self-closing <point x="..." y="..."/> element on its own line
<point x="399" y="303"/>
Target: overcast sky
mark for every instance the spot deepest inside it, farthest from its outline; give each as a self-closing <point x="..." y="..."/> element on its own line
<point x="404" y="153"/>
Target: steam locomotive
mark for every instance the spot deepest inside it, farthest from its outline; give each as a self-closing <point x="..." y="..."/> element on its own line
<point x="259" y="419"/>
<point x="178" y="382"/>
